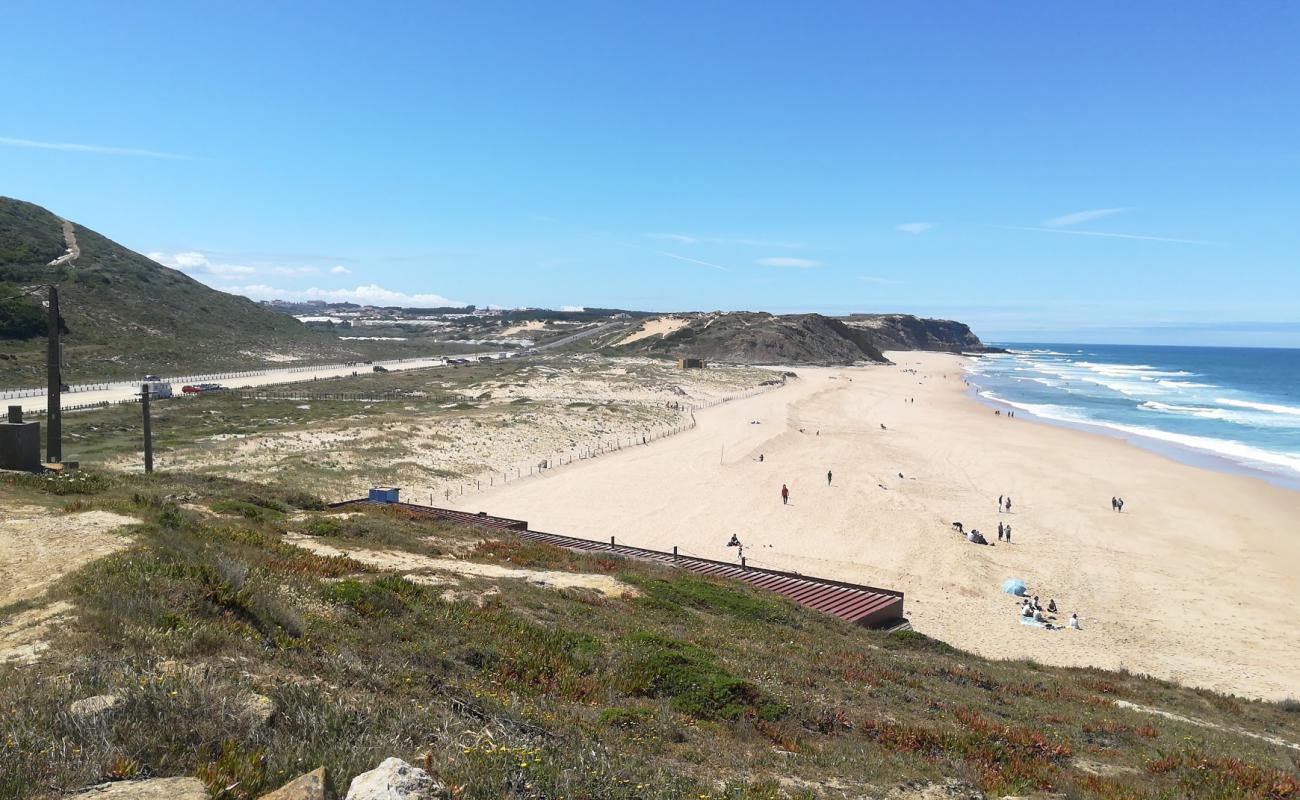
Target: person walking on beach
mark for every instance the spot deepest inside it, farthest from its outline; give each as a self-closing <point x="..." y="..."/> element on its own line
<point x="828" y="477"/>
<point x="1120" y="503"/>
<point x="1114" y="504"/>
<point x="1008" y="504"/>
<point x="999" y="531"/>
<point x="1000" y="504"/>
<point x="785" y="495"/>
<point x="1008" y="532"/>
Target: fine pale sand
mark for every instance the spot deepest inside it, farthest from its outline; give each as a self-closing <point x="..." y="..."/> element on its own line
<point x="660" y="326"/>
<point x="1194" y="582"/>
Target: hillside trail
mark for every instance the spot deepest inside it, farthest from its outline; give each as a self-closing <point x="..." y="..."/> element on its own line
<point x="73" y="249"/>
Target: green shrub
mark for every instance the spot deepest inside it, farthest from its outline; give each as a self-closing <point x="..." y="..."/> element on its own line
<point x="246" y="510"/>
<point x="706" y="595"/>
<point x="382" y="597"/>
<point x="696" y="686"/>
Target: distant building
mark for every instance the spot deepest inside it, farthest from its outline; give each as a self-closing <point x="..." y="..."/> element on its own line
<point x="691" y="363"/>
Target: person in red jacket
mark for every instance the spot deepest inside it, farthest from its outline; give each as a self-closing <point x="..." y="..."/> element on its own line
<point x="785" y="494"/>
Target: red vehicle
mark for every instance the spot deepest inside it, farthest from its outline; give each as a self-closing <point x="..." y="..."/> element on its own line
<point x="190" y="390"/>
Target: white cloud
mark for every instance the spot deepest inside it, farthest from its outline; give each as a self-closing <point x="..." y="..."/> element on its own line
<point x="91" y="148"/>
<point x="1108" y="235"/>
<point x="915" y="227"/>
<point x="195" y="263"/>
<point x="573" y="308"/>
<point x="874" y="279"/>
<point x="294" y="270"/>
<point x="340" y="270"/>
<point x="794" y="263"/>
<point x="1081" y="216"/>
<point x="694" y="261"/>
<point x="369" y="294"/>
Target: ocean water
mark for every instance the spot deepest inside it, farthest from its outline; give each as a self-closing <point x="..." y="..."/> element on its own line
<point x="1228" y="407"/>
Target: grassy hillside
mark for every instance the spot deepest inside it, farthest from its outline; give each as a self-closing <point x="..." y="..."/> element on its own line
<point x="127" y="315"/>
<point x="761" y="338"/>
<point x="672" y="687"/>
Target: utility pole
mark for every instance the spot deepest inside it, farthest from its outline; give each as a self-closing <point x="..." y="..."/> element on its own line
<point x="148" y="431"/>
<point x="54" y="384"/>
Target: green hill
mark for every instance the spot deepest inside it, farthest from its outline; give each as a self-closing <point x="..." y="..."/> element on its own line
<point x="126" y="314"/>
<point x="745" y="337"/>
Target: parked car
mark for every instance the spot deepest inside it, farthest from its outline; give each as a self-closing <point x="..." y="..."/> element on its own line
<point x="152" y="379"/>
<point x="159" y="390"/>
<point x="212" y="387"/>
<point x="190" y="390"/>
<point x="378" y="368"/>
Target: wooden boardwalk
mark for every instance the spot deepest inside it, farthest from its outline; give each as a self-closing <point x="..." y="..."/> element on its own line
<point x="868" y="606"/>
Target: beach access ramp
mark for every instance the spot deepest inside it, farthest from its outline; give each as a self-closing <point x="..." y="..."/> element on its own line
<point x="868" y="606"/>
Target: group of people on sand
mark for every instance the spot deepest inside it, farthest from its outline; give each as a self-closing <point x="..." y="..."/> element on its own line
<point x="1117" y="504"/>
<point x="974" y="536"/>
<point x="997" y="412"/>
<point x="1031" y="609"/>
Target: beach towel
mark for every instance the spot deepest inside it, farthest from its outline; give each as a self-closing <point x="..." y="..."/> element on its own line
<point x="1033" y="623"/>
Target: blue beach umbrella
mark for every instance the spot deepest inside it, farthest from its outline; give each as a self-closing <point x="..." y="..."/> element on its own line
<point x="1014" y="586"/>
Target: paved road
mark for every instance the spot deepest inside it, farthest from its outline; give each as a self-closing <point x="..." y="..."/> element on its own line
<point x="117" y="392"/>
<point x="126" y="390"/>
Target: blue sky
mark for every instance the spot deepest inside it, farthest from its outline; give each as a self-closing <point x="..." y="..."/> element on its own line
<point x="1096" y="172"/>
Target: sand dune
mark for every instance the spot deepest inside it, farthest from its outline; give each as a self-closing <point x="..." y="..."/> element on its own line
<point x="1195" y="581"/>
<point x="660" y="326"/>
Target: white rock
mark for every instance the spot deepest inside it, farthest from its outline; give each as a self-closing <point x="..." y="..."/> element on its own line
<point x="157" y="789"/>
<point x="94" y="706"/>
<point x="395" y="780"/>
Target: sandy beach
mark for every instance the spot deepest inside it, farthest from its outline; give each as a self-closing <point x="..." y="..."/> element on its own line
<point x="1195" y="581"/>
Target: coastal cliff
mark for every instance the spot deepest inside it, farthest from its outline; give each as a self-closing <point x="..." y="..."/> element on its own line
<point x="909" y="332"/>
<point x="760" y="338"/>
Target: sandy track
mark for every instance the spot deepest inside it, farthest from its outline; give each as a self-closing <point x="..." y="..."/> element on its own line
<point x="1193" y="582"/>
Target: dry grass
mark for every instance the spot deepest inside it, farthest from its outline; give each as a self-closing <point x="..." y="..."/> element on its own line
<point x="694" y="688"/>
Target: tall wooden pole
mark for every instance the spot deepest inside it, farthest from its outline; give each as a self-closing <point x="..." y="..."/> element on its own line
<point x="54" y="387"/>
<point x="148" y="431"/>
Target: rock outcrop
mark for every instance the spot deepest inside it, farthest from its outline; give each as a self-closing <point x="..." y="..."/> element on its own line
<point x="908" y="332"/>
<point x="155" y="789"/>
<point x="312" y="786"/>
<point x="395" y="779"/>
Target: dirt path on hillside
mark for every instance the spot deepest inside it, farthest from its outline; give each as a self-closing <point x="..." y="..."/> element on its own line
<point x="74" y="250"/>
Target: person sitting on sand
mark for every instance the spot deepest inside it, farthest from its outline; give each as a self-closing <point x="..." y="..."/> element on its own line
<point x="1026" y="610"/>
<point x="1038" y="615"/>
<point x="1074" y="622"/>
<point x="1051" y="606"/>
<point x="1036" y="603"/>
